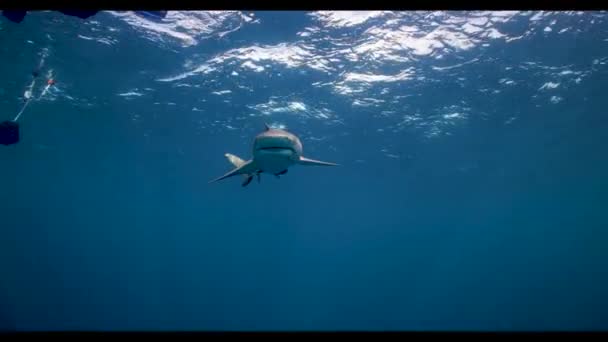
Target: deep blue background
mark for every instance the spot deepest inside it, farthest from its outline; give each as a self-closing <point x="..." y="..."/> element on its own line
<point x="109" y="223"/>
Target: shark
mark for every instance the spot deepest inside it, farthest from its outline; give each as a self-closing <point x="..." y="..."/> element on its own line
<point x="274" y="152"/>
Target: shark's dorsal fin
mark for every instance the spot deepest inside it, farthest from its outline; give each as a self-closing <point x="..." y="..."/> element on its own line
<point x="267" y="126"/>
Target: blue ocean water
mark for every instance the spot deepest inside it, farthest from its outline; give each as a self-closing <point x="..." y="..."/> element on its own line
<point x="470" y="194"/>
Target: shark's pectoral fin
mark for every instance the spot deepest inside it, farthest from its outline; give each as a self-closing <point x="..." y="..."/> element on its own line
<point x="246" y="168"/>
<point x="312" y="162"/>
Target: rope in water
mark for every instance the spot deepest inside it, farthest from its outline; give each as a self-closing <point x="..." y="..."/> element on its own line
<point x="30" y="97"/>
<point x="29" y="92"/>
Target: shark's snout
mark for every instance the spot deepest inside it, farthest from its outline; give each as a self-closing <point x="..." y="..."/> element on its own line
<point x="275" y="143"/>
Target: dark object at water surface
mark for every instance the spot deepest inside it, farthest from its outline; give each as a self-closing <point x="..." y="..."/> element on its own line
<point x="9" y="133"/>
<point x="14" y="16"/>
<point x="17" y="16"/>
